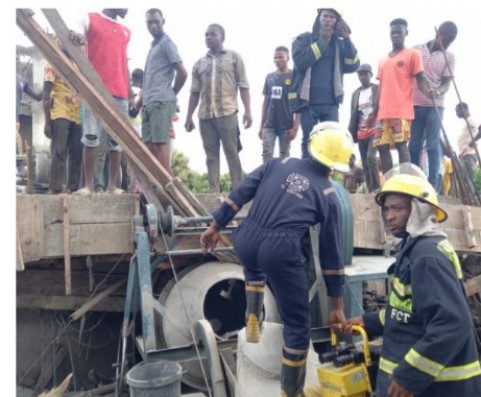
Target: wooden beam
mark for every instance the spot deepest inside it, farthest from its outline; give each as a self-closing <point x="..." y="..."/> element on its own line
<point x="91" y="303"/>
<point x="469" y="231"/>
<point x="67" y="303"/>
<point x="19" y="256"/>
<point x="66" y="246"/>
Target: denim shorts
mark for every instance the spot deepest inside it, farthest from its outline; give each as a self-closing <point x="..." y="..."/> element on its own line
<point x="92" y="128"/>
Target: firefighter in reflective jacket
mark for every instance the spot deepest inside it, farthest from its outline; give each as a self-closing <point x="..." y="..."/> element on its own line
<point x="429" y="347"/>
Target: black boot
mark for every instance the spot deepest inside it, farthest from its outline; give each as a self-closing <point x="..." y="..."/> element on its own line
<point x="293" y="374"/>
<point x="255" y="303"/>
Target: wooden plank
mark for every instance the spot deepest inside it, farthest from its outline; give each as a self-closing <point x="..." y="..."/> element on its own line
<point x="198" y="206"/>
<point x="91" y="209"/>
<point x="19" y="256"/>
<point x="92" y="239"/>
<point x="99" y="225"/>
<point x="184" y="204"/>
<point x="103" y="224"/>
<point x="69" y="303"/>
<point x="469" y="228"/>
<point x="95" y="300"/>
<point x="367" y="225"/>
<point x="30" y="228"/>
<point x="43" y="289"/>
<point x="30" y="170"/>
<point x="66" y="246"/>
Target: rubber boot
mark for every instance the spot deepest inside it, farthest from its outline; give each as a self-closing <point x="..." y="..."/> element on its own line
<point x="255" y="303"/>
<point x="293" y="374"/>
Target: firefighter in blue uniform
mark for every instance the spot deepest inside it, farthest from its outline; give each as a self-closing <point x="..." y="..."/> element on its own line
<point x="429" y="347"/>
<point x="289" y="196"/>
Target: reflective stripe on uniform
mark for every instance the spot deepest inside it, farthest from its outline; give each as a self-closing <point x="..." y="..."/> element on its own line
<point x="293" y="363"/>
<point x="405" y="305"/>
<point x="403" y="290"/>
<point x="351" y="61"/>
<point x="447" y="374"/>
<point x="382" y="316"/>
<point x="424" y="364"/>
<point x="447" y="249"/>
<point x="459" y="373"/>
<point x="255" y="288"/>
<point x="316" y="50"/>
<point x="333" y="272"/>
<point x="387" y="366"/>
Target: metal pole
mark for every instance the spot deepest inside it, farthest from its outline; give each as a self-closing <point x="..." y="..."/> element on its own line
<point x="202" y="219"/>
<point x="467" y="194"/>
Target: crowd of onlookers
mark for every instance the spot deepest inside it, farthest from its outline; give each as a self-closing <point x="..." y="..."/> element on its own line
<point x="403" y="111"/>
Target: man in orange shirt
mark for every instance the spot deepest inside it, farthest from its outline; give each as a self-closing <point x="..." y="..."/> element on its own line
<point x="396" y="75"/>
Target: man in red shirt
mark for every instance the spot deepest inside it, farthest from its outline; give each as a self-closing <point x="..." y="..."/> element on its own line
<point x="106" y="43"/>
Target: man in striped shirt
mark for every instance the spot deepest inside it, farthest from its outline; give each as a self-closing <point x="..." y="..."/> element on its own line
<point x="438" y="68"/>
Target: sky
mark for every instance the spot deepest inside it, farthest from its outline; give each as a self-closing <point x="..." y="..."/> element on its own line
<point x="255" y="29"/>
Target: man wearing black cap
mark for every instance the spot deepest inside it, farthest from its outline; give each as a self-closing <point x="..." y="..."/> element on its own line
<point x="364" y="105"/>
<point x="321" y="58"/>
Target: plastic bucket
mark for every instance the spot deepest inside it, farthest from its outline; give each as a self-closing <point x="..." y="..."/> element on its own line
<point x="155" y="378"/>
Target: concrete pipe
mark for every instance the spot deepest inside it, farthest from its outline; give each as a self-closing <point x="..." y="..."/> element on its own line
<point x="259" y="365"/>
<point x="214" y="292"/>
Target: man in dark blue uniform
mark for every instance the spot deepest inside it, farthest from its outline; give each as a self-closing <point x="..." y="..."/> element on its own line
<point x="321" y="58"/>
<point x="429" y="347"/>
<point x="289" y="196"/>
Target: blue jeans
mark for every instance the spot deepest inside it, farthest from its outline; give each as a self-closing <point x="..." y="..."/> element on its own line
<point x="426" y="126"/>
<point x="269" y="136"/>
<point x="310" y="116"/>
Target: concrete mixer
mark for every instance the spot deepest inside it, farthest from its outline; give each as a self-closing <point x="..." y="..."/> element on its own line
<point x="199" y="314"/>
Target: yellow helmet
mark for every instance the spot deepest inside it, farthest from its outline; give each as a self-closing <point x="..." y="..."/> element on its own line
<point x="414" y="186"/>
<point x="331" y="145"/>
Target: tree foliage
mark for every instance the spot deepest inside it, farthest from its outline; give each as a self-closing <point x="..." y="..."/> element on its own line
<point x="195" y="182"/>
<point x="477" y="179"/>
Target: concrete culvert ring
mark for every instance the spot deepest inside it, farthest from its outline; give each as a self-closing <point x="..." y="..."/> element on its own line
<point x="213" y="291"/>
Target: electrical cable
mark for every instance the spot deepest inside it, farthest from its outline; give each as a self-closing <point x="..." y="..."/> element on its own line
<point x="181" y="295"/>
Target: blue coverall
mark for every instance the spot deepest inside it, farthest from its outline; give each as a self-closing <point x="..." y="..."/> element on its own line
<point x="289" y="196"/>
